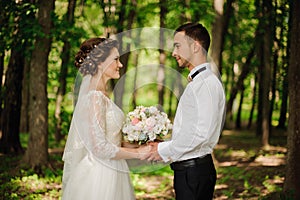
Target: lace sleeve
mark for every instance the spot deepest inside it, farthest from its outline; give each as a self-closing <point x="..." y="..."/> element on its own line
<point x="100" y="147"/>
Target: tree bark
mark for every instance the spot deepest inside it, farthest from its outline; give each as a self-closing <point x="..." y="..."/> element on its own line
<point x="37" y="152"/>
<point x="238" y="122"/>
<point x="266" y="71"/>
<point x="253" y="102"/>
<point x="284" y="101"/>
<point x="63" y="72"/>
<point x="124" y="54"/>
<point x="24" y="123"/>
<point x="135" y="63"/>
<point x="219" y="30"/>
<point x="273" y="82"/>
<point x="292" y="177"/>
<point x="10" y="140"/>
<point x="285" y="63"/>
<point x="2" y="55"/>
<point x="162" y="54"/>
<point x="260" y="89"/>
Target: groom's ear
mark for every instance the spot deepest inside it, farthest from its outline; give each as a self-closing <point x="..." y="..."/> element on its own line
<point x="197" y="47"/>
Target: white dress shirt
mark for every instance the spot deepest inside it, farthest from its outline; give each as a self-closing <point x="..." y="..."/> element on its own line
<point x="199" y="118"/>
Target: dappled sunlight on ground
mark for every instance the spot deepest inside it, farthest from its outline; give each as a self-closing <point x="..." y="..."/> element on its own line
<point x="249" y="171"/>
<point x="269" y="160"/>
<point x="154" y="187"/>
<point x="272" y="160"/>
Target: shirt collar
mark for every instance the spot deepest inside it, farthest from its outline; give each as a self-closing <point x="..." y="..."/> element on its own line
<point x="197" y="68"/>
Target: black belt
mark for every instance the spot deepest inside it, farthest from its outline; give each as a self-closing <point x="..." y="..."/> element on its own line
<point x="181" y="165"/>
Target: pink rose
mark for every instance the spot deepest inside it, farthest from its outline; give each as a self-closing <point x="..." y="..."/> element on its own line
<point x="134" y="121"/>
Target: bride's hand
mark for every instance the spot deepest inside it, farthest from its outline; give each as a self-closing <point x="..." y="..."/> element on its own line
<point x="143" y="151"/>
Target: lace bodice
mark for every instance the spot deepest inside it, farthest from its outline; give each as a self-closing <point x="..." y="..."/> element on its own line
<point x="95" y="127"/>
<point x="114" y="117"/>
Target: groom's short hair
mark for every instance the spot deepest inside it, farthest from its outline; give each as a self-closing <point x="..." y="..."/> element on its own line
<point x="196" y="32"/>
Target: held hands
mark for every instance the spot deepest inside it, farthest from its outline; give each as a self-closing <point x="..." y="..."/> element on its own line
<point x="151" y="155"/>
<point x="143" y="151"/>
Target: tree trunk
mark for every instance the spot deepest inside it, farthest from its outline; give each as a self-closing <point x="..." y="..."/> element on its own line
<point x="124" y="54"/>
<point x="37" y="152"/>
<point x="2" y="55"/>
<point x="24" y="123"/>
<point x="285" y="62"/>
<point x="260" y="91"/>
<point x="134" y="93"/>
<point x="292" y="177"/>
<point x="135" y="63"/>
<point x="238" y="123"/>
<point x="10" y="140"/>
<point x="274" y="83"/>
<point x="284" y="101"/>
<point x="171" y="98"/>
<point x="162" y="55"/>
<point x="219" y="30"/>
<point x="253" y="103"/>
<point x="63" y="72"/>
<point x="266" y="71"/>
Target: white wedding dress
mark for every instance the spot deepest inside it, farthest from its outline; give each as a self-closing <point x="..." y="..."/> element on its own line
<point x="90" y="173"/>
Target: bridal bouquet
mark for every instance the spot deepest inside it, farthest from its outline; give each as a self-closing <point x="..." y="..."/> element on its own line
<point x="145" y="124"/>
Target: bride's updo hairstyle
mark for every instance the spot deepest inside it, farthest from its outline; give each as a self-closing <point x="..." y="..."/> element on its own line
<point x="92" y="52"/>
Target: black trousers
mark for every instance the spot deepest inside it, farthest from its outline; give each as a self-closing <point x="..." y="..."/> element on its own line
<point x="195" y="182"/>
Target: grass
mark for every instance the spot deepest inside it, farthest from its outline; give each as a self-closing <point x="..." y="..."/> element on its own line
<point x="245" y="171"/>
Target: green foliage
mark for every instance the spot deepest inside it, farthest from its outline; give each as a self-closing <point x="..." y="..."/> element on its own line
<point x="18" y="25"/>
<point x="31" y="186"/>
<point x="269" y="184"/>
<point x="63" y="30"/>
<point x="18" y="183"/>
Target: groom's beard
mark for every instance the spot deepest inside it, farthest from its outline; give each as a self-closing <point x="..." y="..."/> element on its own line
<point x="183" y="63"/>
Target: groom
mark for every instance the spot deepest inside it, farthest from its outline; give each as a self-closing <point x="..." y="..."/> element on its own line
<point x="198" y="120"/>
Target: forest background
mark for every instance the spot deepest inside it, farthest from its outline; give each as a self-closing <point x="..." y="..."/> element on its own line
<point x="255" y="44"/>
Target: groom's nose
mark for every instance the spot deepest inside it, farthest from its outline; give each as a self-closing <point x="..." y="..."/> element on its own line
<point x="174" y="53"/>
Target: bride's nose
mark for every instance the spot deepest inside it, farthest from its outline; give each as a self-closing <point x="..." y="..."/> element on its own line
<point x="120" y="65"/>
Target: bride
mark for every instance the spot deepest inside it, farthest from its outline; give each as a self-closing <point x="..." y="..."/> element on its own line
<point x="94" y="161"/>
